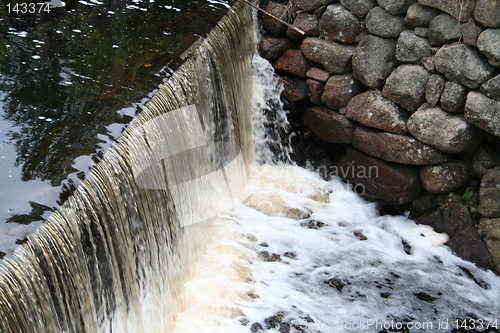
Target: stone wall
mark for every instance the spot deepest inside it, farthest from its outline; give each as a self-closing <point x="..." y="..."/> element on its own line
<point x="410" y="88"/>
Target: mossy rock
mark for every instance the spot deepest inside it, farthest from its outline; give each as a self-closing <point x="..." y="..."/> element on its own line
<point x="489" y="194"/>
<point x="489" y="229"/>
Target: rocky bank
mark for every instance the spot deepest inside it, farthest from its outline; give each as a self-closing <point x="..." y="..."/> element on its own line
<point x="407" y="89"/>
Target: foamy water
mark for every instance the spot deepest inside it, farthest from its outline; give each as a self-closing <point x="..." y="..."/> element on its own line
<point x="300" y="254"/>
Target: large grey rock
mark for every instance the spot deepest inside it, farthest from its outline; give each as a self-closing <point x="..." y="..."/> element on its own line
<point x="453" y="97"/>
<point x="443" y="29"/>
<point x="394" y="183"/>
<point x="396" y="148"/>
<point x="488" y="43"/>
<point x="489" y="229"/>
<point x="491" y="88"/>
<point x="334" y="57"/>
<point x="489" y="194"/>
<point x="468" y="245"/>
<point x="339" y="24"/>
<point x="396" y="7"/>
<point x="482" y="160"/>
<point x="306" y="22"/>
<point x="419" y="16"/>
<point x="374" y="60"/>
<point x="374" y="110"/>
<point x="462" y="64"/>
<point x="487" y="12"/>
<point x="445" y="131"/>
<point x="359" y="7"/>
<point x="381" y="23"/>
<point x="453" y="218"/>
<point x="406" y="86"/>
<point x="412" y="48"/>
<point x="434" y="88"/>
<point x="329" y="125"/>
<point x="310" y="5"/>
<point x="272" y="26"/>
<point x="339" y="90"/>
<point x="461" y="10"/>
<point x="445" y="177"/>
<point x="483" y="112"/>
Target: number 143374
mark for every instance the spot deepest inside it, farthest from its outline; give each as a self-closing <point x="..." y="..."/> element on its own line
<point x="28" y="7"/>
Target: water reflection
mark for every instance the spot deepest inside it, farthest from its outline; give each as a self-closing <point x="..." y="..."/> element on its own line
<point x="69" y="81"/>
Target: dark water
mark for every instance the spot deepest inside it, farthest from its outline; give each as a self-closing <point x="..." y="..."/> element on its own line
<point x="70" y="80"/>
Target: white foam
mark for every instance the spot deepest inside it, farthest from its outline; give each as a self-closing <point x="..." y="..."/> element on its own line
<point x="296" y="249"/>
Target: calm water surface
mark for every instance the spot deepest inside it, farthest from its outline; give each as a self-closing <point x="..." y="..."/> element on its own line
<point x="70" y="80"/>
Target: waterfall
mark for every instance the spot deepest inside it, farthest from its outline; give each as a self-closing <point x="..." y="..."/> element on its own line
<point x="114" y="257"/>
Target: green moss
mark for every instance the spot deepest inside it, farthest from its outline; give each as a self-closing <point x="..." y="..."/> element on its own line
<point x="467" y="194"/>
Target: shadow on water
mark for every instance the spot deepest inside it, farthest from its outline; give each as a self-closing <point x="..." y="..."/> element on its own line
<point x="70" y="80"/>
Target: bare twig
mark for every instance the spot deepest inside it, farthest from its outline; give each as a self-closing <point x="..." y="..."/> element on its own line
<point x="276" y="18"/>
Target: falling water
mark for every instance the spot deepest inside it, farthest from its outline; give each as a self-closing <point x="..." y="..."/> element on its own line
<point x="113" y="258"/>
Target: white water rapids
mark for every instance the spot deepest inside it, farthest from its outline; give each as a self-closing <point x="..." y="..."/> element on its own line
<point x="300" y="254"/>
<point x="303" y="253"/>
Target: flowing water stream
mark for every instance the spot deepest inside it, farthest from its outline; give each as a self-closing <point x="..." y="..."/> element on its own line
<point x="113" y="257"/>
<point x="179" y="229"/>
<point x="70" y="80"/>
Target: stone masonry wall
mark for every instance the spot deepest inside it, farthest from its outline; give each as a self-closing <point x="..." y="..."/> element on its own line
<point x="410" y="89"/>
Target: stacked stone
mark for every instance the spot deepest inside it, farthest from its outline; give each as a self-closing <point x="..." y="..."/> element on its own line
<point x="410" y="87"/>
